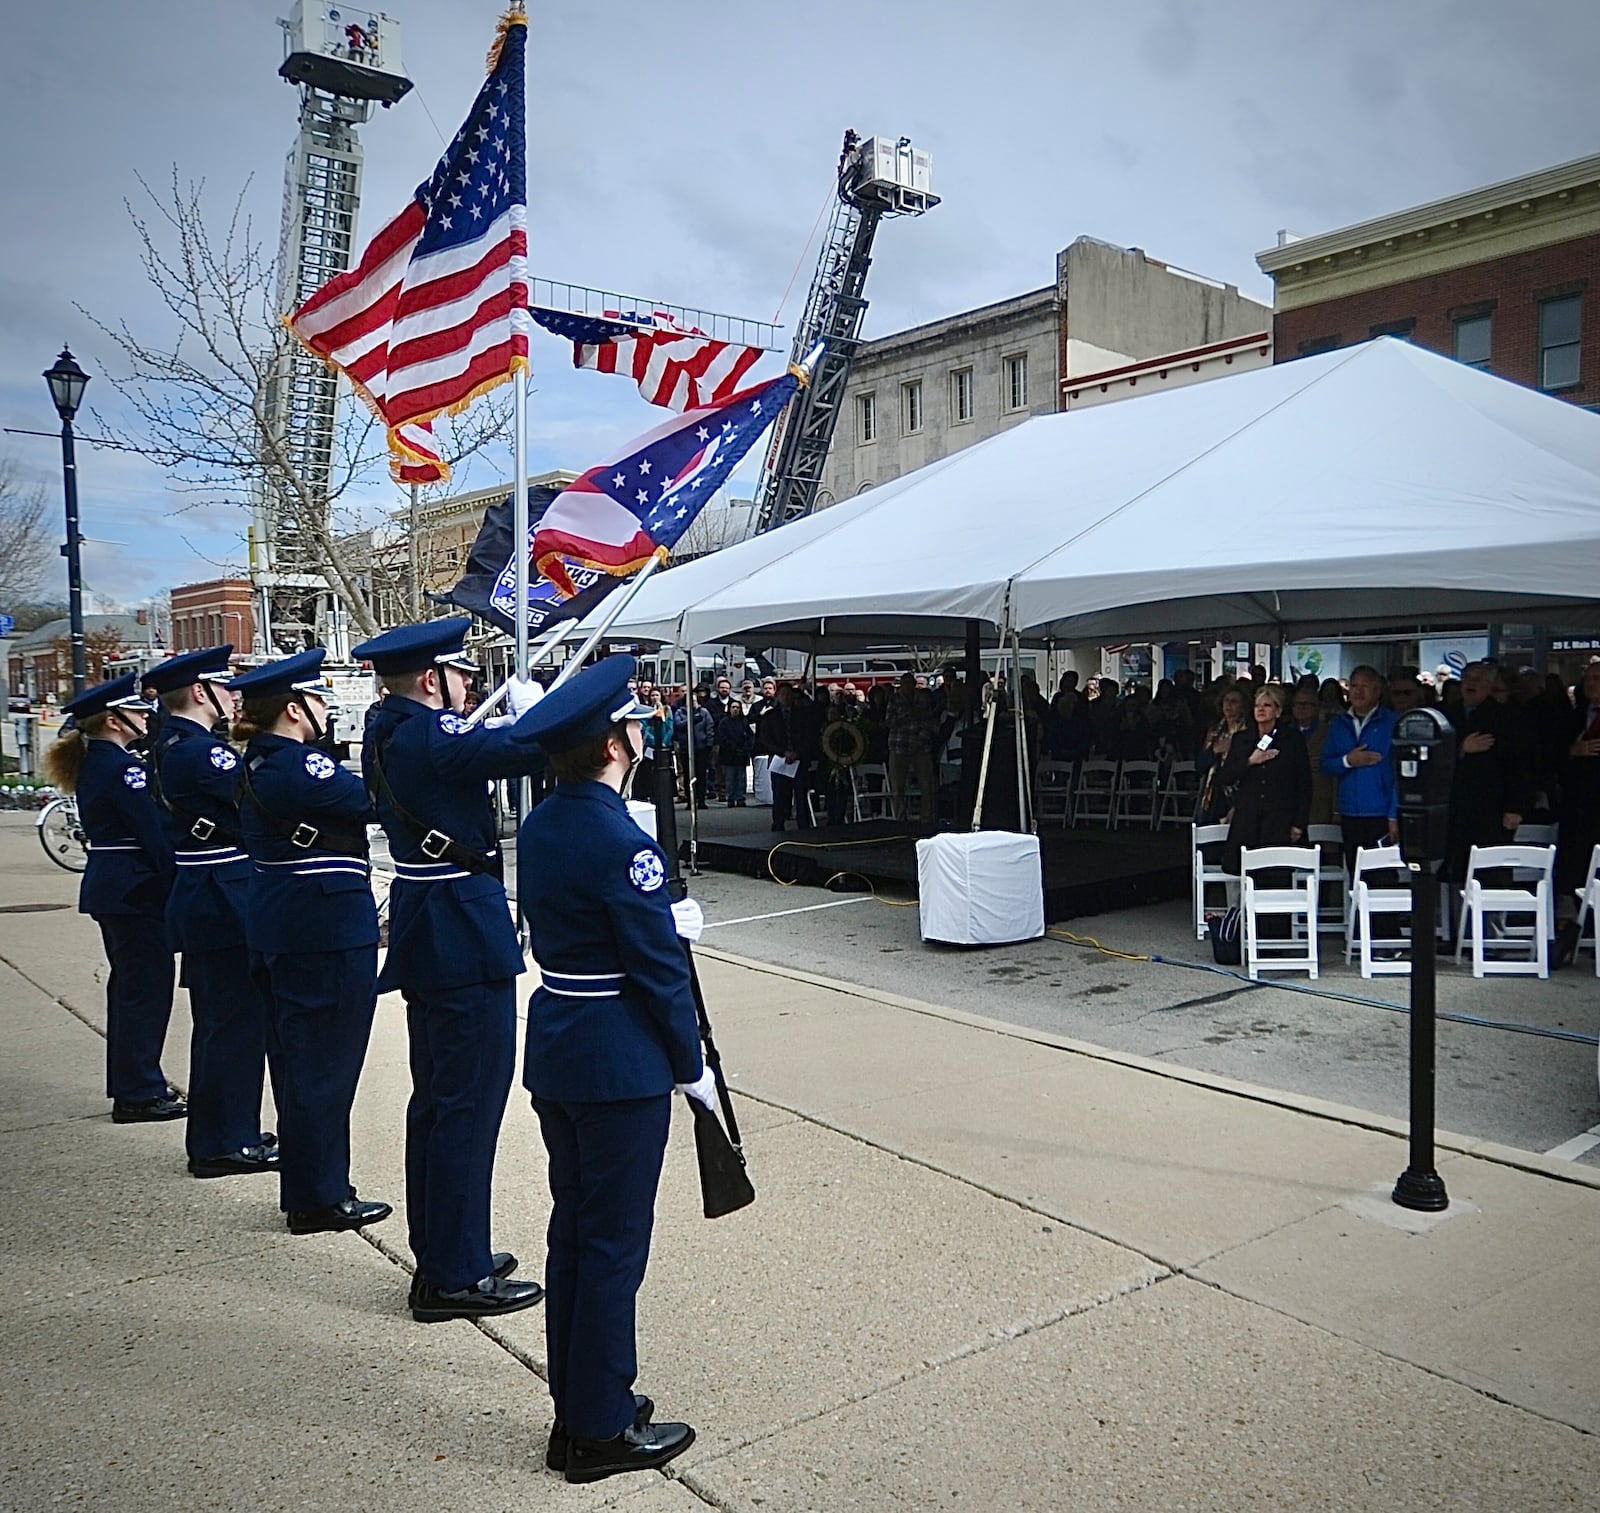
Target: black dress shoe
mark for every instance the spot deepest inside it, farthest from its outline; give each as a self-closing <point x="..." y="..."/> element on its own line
<point x="151" y="1111"/>
<point x="632" y="1450"/>
<point x="487" y="1299"/>
<point x="240" y="1163"/>
<point x="501" y="1264"/>
<point x="555" y="1453"/>
<point x="352" y="1213"/>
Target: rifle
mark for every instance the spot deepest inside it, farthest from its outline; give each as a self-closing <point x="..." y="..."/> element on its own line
<point x="725" y="1185"/>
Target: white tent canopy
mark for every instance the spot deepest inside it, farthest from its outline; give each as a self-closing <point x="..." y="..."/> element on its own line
<point x="1377" y="486"/>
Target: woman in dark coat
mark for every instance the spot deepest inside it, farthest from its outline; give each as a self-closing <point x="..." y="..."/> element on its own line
<point x="1272" y="774"/>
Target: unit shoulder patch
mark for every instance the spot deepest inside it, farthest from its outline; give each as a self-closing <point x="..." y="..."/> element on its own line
<point x="453" y="724"/>
<point x="645" y="871"/>
<point x="136" y="777"/>
<point x="223" y="759"/>
<point x="320" y="765"/>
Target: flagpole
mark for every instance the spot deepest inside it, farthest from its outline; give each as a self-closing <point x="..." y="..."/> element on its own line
<point x="519" y="536"/>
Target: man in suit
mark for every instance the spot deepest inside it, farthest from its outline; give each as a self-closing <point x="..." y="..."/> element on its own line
<point x="1580" y="804"/>
<point x="612" y="1029"/>
<point x="1493" y="786"/>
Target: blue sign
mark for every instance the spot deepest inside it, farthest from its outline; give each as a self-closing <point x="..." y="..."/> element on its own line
<point x="8" y="626"/>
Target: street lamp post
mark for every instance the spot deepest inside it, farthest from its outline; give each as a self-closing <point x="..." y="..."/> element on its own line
<point x="67" y="382"/>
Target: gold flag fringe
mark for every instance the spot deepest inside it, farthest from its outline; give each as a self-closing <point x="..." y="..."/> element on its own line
<point x="516" y="16"/>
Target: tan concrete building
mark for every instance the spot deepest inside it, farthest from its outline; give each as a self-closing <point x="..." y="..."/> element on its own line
<point x="924" y="393"/>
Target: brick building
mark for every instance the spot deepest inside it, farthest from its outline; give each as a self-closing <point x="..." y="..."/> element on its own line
<point x="208" y="614"/>
<point x="39" y="663"/>
<point x="1505" y="277"/>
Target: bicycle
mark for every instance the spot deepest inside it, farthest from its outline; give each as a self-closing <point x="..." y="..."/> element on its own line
<point x="61" y="834"/>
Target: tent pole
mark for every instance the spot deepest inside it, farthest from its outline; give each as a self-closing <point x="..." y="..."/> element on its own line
<point x="1024" y="808"/>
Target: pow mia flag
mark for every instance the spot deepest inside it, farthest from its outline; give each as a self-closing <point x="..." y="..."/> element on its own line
<point x="488" y="587"/>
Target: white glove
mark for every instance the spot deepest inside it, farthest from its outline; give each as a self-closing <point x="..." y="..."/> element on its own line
<point x="689" y="917"/>
<point x="522" y="694"/>
<point x="703" y="1091"/>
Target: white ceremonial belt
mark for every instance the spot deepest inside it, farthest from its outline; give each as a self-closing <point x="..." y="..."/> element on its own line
<point x="214" y="857"/>
<point x="583" y="984"/>
<point x="297" y="868"/>
<point x="428" y="872"/>
<point x="113" y="846"/>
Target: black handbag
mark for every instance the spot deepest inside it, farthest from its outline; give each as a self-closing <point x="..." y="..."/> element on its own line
<point x="1227" y="949"/>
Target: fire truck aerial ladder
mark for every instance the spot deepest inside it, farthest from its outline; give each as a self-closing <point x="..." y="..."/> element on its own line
<point x="878" y="177"/>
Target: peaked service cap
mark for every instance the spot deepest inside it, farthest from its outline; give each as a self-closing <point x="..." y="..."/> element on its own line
<point x="301" y="673"/>
<point x="586" y="707"/>
<point x="414" y="648"/>
<point x="116" y="693"/>
<point x="208" y="666"/>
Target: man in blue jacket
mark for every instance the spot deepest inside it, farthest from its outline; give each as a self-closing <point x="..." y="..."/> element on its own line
<point x="1356" y="753"/>
<point x="612" y="1029"/>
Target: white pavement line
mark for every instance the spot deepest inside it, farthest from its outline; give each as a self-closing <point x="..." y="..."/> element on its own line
<point x="1578" y="1145"/>
<point x="750" y="919"/>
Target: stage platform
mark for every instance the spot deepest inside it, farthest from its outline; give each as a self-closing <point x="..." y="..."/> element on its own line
<point x="1086" y="871"/>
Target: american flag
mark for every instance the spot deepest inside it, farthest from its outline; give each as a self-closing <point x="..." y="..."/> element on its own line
<point x="677" y="368"/>
<point x="436" y="312"/>
<point x="636" y="505"/>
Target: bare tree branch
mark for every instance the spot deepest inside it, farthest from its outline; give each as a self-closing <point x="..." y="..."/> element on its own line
<point x="201" y="394"/>
<point x="24" y="536"/>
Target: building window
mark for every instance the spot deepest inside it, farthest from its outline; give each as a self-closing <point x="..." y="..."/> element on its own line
<point x="1474" y="338"/>
<point x="866" y="418"/>
<point x="961" y="394"/>
<point x="1401" y="330"/>
<point x="911" y="407"/>
<point x="1014" y="382"/>
<point x="1318" y="344"/>
<point x="1560" y="344"/>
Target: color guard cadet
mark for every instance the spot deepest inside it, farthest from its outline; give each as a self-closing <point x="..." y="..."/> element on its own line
<point x="312" y="930"/>
<point x="196" y="776"/>
<point x="611" y="1030"/>
<point x="124" y="889"/>
<point x="453" y="954"/>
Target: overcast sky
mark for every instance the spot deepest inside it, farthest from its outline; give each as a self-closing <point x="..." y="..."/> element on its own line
<point x="683" y="150"/>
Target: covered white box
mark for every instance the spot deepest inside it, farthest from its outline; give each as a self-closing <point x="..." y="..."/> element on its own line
<point x="981" y="888"/>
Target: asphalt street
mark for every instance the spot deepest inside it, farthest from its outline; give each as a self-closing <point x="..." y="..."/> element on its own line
<point x="1535" y="1091"/>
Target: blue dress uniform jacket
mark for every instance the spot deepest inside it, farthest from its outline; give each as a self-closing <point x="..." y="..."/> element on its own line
<point x="129" y="869"/>
<point x="614" y="1016"/>
<point x="125" y="886"/>
<point x="448" y="927"/>
<point x="453" y="952"/>
<point x="199" y="784"/>
<point x="303" y="898"/>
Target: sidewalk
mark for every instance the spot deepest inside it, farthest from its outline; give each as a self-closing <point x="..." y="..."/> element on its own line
<point x="985" y="1270"/>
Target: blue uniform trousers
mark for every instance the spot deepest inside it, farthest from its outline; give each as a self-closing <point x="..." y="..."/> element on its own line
<point x="227" y="1053"/>
<point x="463" y="1052"/>
<point x="138" y="1005"/>
<point x="605" y="1166"/>
<point x="319" y="1019"/>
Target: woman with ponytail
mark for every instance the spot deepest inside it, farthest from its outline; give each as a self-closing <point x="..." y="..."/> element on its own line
<point x="125" y="887"/>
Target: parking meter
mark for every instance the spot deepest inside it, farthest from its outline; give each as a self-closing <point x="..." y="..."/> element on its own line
<point x="1424" y="752"/>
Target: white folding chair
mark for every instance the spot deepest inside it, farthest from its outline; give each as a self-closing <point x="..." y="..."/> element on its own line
<point x="1367" y="899"/>
<point x="1052" y="798"/>
<point x="1205" y="874"/>
<point x="1589" y="910"/>
<point x="1137" y="792"/>
<point x="1527" y="947"/>
<point x="1333" y="887"/>
<point x="1094" y="791"/>
<point x="1297" y="904"/>
<point x="1179" y="794"/>
<point x="873" y="799"/>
